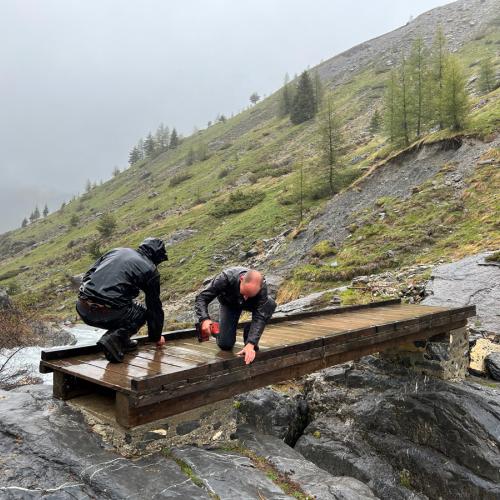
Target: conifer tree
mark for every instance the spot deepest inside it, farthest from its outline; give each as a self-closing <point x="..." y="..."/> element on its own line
<point x="254" y="98"/>
<point x="106" y="225"/>
<point x="438" y="58"/>
<point x="418" y="75"/>
<point x="134" y="156"/>
<point x="24" y="223"/>
<point x="45" y="210"/>
<point x="191" y="157"/>
<point x="331" y="140"/>
<point x="375" y="122"/>
<point x="304" y="104"/>
<point x="174" y="139"/>
<point x="455" y="105"/>
<point x="486" y="81"/>
<point x="149" y="146"/>
<point x="318" y="91"/>
<point x="390" y="107"/>
<point x="286" y="98"/>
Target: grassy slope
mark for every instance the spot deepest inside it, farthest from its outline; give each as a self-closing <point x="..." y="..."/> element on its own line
<point x="254" y="142"/>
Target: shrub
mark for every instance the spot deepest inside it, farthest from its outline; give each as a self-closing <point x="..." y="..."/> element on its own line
<point x="106" y="225"/>
<point x="224" y="173"/>
<point x="94" y="249"/>
<point x="74" y="220"/>
<point x="238" y="201"/>
<point x="178" y="178"/>
<point x="323" y="249"/>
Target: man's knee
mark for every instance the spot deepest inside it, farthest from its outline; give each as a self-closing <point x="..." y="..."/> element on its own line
<point x="225" y="346"/>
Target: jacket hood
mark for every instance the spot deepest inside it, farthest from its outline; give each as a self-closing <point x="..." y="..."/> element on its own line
<point x="154" y="249"/>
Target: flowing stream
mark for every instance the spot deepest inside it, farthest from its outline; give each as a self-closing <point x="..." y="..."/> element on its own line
<point x="28" y="358"/>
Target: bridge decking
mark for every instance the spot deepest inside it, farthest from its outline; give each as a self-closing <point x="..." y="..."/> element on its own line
<point x="154" y="383"/>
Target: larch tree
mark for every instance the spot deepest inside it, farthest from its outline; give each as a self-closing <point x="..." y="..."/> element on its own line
<point x="455" y="97"/>
<point x="331" y="138"/>
<point x="438" y="58"/>
<point x="418" y="75"/>
<point x="486" y="81"/>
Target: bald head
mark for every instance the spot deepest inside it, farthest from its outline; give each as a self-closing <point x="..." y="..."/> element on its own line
<point x="251" y="283"/>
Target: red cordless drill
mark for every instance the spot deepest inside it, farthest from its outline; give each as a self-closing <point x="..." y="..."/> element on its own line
<point x="202" y="336"/>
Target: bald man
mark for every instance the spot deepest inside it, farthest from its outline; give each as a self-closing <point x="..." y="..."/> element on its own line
<point x="237" y="289"/>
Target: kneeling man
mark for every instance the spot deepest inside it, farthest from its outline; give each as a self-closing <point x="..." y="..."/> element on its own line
<point x="237" y="289"/>
<point x="107" y="291"/>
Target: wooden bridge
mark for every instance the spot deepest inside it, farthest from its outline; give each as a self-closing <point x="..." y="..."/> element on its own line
<point x="155" y="383"/>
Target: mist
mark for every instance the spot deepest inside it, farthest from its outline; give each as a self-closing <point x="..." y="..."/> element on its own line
<point x="82" y="81"/>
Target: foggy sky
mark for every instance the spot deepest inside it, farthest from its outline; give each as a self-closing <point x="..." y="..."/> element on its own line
<point x="82" y="81"/>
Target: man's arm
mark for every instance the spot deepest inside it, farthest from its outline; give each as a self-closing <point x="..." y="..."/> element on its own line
<point x="206" y="296"/>
<point x="154" y="308"/>
<point x="260" y="316"/>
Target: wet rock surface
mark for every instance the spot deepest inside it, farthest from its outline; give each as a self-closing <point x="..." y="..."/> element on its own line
<point x="271" y="412"/>
<point x="47" y="452"/>
<point x="229" y="475"/>
<point x="492" y="362"/>
<point x="313" y="480"/>
<point x="404" y="436"/>
<point x="468" y="281"/>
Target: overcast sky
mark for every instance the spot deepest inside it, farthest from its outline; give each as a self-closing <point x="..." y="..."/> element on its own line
<point x="81" y="81"/>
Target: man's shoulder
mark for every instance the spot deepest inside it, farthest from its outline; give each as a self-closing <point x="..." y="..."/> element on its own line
<point x="234" y="272"/>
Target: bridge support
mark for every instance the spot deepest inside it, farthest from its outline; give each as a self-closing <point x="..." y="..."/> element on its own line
<point x="444" y="356"/>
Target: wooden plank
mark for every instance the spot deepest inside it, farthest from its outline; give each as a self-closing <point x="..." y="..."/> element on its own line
<point x="162" y="357"/>
<point x="91" y="373"/>
<point x="169" y="394"/>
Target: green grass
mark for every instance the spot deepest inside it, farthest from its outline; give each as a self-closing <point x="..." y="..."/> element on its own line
<point x="207" y="196"/>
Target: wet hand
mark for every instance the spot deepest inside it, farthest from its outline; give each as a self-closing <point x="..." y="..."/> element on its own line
<point x="205" y="327"/>
<point x="249" y="352"/>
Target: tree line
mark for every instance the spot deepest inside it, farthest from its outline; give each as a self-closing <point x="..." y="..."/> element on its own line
<point x="427" y="91"/>
<point x="35" y="215"/>
<point x="154" y="144"/>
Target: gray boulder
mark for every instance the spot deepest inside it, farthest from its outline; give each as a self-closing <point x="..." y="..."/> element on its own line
<point x="5" y="302"/>
<point x="404" y="436"/>
<point x="468" y="281"/>
<point x="492" y="362"/>
<point x="274" y="413"/>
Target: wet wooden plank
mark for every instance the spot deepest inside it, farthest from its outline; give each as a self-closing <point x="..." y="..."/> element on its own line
<point x="91" y="373"/>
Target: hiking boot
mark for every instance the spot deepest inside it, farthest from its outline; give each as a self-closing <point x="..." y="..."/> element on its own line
<point x="112" y="347"/>
<point x="130" y="345"/>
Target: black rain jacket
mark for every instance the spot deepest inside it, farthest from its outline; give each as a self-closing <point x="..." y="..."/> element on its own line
<point x="118" y="276"/>
<point x="226" y="288"/>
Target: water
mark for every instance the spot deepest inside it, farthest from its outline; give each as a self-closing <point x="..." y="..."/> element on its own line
<point x="29" y="357"/>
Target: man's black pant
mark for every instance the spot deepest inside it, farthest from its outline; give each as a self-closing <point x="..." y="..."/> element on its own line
<point x="228" y="323"/>
<point x="121" y="323"/>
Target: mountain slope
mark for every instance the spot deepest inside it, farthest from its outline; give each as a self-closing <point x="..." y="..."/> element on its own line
<point x="256" y="156"/>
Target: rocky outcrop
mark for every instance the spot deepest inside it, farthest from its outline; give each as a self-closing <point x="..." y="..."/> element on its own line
<point x="404" y="436"/>
<point x="270" y="412"/>
<point x="5" y="302"/>
<point x="47" y="452"/>
<point x="313" y="480"/>
<point x="492" y="362"/>
<point x="397" y="178"/>
<point x="229" y="475"/>
<point x="468" y="281"/>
